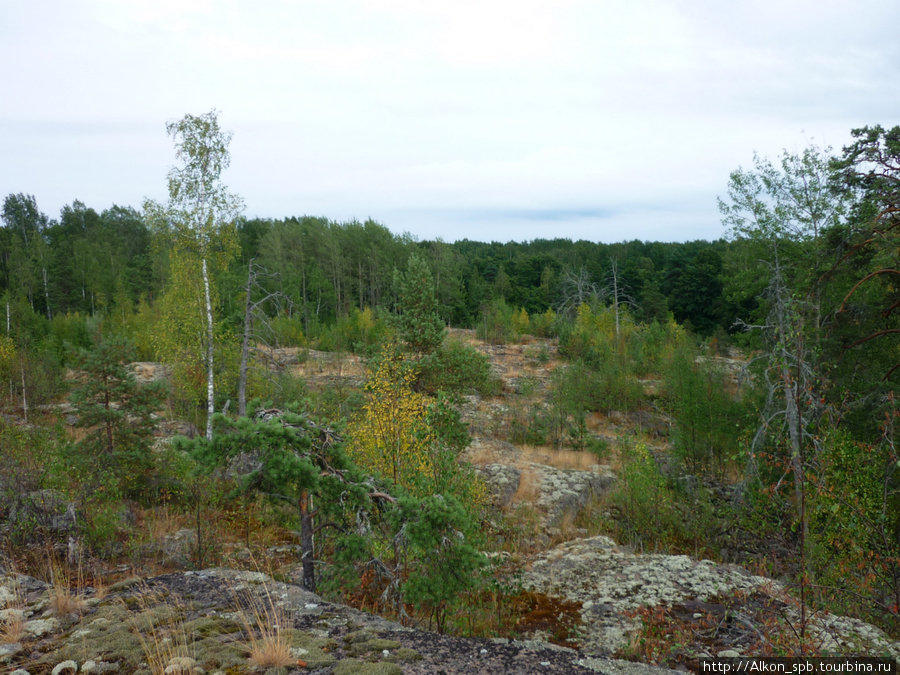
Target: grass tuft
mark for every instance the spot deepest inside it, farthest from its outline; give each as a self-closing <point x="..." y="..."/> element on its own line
<point x="64" y="602"/>
<point x="12" y="630"/>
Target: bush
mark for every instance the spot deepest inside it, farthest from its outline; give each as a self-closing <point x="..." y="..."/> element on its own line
<point x="455" y="367"/>
<point x="708" y="420"/>
<point x="545" y="325"/>
<point x="498" y="323"/>
<point x="651" y="514"/>
<point x="362" y="332"/>
<point x="287" y="331"/>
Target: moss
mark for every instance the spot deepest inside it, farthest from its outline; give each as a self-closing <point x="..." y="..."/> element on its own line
<point x="104" y="635"/>
<point x="207" y="626"/>
<point x="316" y="655"/>
<point x="125" y="584"/>
<point x="404" y="655"/>
<point x="359" y="636"/>
<point x="215" y="654"/>
<point x="375" y="645"/>
<point x="357" y="667"/>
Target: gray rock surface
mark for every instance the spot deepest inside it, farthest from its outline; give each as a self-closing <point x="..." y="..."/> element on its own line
<point x="213" y="605"/>
<point x="608" y="581"/>
<point x="558" y="493"/>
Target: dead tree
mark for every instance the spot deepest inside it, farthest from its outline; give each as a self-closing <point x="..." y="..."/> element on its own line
<point x="253" y="315"/>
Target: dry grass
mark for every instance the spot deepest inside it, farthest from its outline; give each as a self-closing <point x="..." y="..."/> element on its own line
<point x="64" y="602"/>
<point x="161" y="522"/>
<point x="529" y="486"/>
<point x="271" y="649"/>
<point x="164" y="641"/>
<point x="560" y="459"/>
<point x="12" y="629"/>
<point x="101" y="589"/>
<point x="270" y="634"/>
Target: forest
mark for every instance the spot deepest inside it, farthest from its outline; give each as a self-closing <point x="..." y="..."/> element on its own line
<point x="801" y="291"/>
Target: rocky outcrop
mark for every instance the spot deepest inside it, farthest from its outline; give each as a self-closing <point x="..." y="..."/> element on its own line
<point x="147" y="371"/>
<point x="219" y="609"/>
<point x="610" y="583"/>
<point x="35" y="512"/>
<point x="558" y="493"/>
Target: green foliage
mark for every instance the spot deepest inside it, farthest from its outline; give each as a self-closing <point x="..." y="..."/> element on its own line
<point x="653" y="515"/>
<point x="854" y="514"/>
<point x="116" y="413"/>
<point x="574" y="392"/>
<point x="650" y="348"/>
<point x="456" y="367"/>
<point x="409" y="439"/>
<point x="498" y="323"/>
<point x="708" y="420"/>
<point x="446" y="564"/>
<point x="67" y="331"/>
<point x="419" y="322"/>
<point x="361" y="332"/>
<point x="32" y="459"/>
<point x="287" y="330"/>
<point x="545" y="325"/>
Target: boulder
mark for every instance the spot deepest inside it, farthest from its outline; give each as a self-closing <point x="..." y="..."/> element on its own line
<point x="47" y="510"/>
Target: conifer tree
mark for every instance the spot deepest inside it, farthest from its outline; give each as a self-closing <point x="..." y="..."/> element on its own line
<point x="116" y="411"/>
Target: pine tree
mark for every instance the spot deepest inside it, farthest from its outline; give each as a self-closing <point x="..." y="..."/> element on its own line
<point x="116" y="411"/>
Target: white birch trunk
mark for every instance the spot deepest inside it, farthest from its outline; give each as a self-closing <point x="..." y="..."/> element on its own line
<point x="210" y="390"/>
<point x="24" y="396"/>
<point x="46" y="292"/>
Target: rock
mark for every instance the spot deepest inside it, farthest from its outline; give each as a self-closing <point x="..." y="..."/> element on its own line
<point x="502" y="481"/>
<point x="8" y="651"/>
<point x="608" y="582"/>
<point x="179" y="546"/>
<point x="565" y="492"/>
<point x="99" y="667"/>
<point x="40" y="627"/>
<point x="48" y="510"/>
<point x="145" y="371"/>
<point x="65" y="668"/>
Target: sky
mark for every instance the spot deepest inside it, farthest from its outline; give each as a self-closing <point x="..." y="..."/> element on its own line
<point x="604" y="120"/>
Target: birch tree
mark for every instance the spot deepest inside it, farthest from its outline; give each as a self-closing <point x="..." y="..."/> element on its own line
<point x="200" y="213"/>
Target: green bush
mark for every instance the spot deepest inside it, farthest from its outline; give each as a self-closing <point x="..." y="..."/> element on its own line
<point x="456" y="367"/>
<point x="287" y="331"/>
<point x="498" y="323"/>
<point x="545" y="325"/>
<point x="708" y="420"/>
<point x="362" y="332"/>
<point x="651" y="514"/>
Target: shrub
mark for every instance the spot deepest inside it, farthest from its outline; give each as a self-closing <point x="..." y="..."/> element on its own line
<point x="287" y="330"/>
<point x="419" y="323"/>
<point x="545" y="325"/>
<point x="395" y="435"/>
<point x="361" y="332"/>
<point x="455" y="367"/>
<point x="651" y="513"/>
<point x="497" y="325"/>
<point x="708" y="420"/>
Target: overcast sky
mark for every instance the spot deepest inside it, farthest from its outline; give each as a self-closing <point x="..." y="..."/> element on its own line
<point x="605" y="120"/>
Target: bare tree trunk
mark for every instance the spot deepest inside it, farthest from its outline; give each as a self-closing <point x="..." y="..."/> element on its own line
<point x="615" y="279"/>
<point x="245" y="346"/>
<point x="24" y="397"/>
<point x="210" y="390"/>
<point x="306" y="542"/>
<point x="46" y="292"/>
